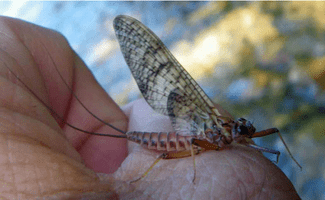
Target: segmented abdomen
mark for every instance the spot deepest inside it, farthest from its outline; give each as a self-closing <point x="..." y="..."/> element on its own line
<point x="161" y="141"/>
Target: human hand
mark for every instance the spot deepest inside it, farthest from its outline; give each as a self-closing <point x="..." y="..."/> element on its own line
<point x="41" y="156"/>
<point x="41" y="159"/>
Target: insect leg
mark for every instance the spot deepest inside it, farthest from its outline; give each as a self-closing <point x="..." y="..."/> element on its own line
<point x="265" y="150"/>
<point x="205" y="144"/>
<point x="149" y="169"/>
<point x="194" y="168"/>
<point x="269" y="132"/>
<point x="172" y="155"/>
<point x="265" y="132"/>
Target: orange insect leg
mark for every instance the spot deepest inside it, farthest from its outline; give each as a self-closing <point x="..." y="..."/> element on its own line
<point x="182" y="154"/>
<point x="172" y="155"/>
<point x="149" y="169"/>
<point x="205" y="144"/>
<point x="271" y="131"/>
<point x="265" y="132"/>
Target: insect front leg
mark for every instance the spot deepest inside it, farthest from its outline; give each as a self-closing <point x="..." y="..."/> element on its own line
<point x="269" y="132"/>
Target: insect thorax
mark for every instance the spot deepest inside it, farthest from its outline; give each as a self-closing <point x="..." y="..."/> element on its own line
<point x="230" y="131"/>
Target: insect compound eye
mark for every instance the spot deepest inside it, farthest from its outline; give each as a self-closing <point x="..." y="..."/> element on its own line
<point x="243" y="130"/>
<point x="245" y="127"/>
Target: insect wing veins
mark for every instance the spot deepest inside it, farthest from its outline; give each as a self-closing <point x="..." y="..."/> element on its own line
<point x="163" y="82"/>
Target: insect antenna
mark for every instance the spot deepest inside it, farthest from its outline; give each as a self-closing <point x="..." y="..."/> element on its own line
<point x="75" y="96"/>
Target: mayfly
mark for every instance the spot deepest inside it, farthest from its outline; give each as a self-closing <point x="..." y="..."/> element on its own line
<point x="170" y="90"/>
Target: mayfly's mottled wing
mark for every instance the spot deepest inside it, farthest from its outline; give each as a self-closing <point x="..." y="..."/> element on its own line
<point x="164" y="83"/>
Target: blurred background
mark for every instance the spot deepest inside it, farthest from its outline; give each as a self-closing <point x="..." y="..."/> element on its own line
<point x="264" y="61"/>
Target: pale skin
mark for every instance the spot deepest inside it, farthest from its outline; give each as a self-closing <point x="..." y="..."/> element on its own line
<point x="42" y="157"/>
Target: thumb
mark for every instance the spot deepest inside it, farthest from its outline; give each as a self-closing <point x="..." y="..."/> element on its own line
<point x="36" y="157"/>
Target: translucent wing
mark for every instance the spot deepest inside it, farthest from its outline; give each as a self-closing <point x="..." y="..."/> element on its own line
<point x="164" y="83"/>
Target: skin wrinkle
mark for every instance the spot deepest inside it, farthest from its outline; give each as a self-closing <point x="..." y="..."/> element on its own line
<point x="259" y="190"/>
<point x="241" y="193"/>
<point x="263" y="179"/>
<point x="21" y="39"/>
<point x="17" y="83"/>
<point x="231" y="163"/>
<point x="233" y="172"/>
<point x="73" y="85"/>
<point x="20" y="126"/>
<point x="238" y="183"/>
<point x="18" y="88"/>
<point x="10" y="165"/>
<point x="63" y="124"/>
<point x="252" y="175"/>
<point x="263" y="183"/>
<point x="47" y="89"/>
